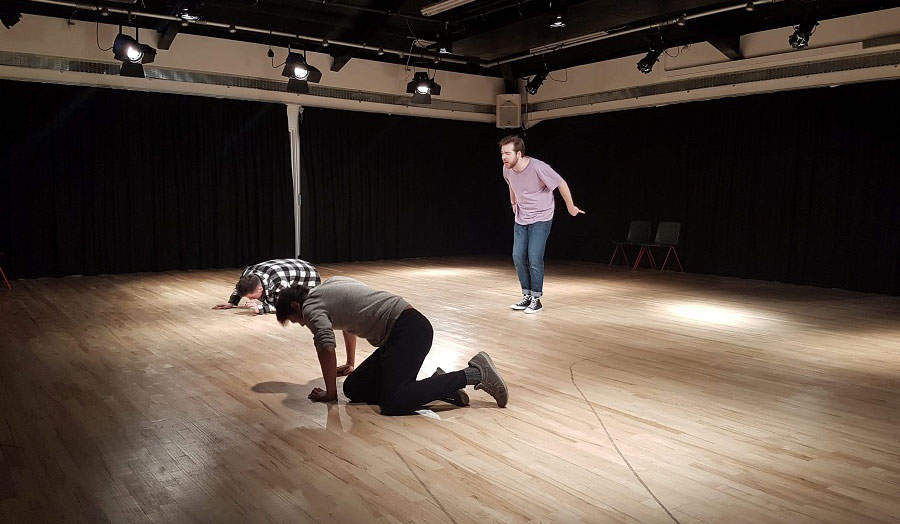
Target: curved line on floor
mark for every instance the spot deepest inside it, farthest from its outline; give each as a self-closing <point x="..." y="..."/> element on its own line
<point x="609" y="436"/>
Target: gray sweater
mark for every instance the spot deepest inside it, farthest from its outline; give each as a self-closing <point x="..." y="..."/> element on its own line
<point x="349" y="305"/>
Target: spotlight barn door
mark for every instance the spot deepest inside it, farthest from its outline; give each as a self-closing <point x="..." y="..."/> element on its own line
<point x="509" y="111"/>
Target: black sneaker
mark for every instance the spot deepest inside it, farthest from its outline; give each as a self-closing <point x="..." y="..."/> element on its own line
<point x="534" y="306"/>
<point x="460" y="398"/>
<point x="522" y="304"/>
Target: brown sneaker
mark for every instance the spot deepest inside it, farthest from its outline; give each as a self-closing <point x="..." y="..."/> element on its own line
<point x="491" y="381"/>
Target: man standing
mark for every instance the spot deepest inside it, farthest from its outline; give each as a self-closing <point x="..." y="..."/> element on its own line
<point x="531" y="184"/>
<point x="264" y="281"/>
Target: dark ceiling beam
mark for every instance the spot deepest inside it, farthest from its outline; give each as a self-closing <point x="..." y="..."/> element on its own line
<point x="510" y="85"/>
<point x="728" y="46"/>
<point x="364" y="30"/>
<point x="168" y="30"/>
<point x="647" y="38"/>
<point x="389" y="12"/>
<point x="338" y="61"/>
<point x="167" y="33"/>
<point x="485" y="11"/>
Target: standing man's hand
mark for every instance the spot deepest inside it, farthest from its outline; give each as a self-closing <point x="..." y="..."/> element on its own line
<point x="574" y="211"/>
<point x="223" y="306"/>
<point x="343" y="371"/>
<point x="566" y="194"/>
<point x="515" y="209"/>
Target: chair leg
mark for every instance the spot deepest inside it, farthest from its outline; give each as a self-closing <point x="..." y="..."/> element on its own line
<point x="672" y="251"/>
<point x="675" y="252"/>
<point x="639" y="257"/>
<point x="652" y="258"/>
<point x="4" y="278"/>
<point x="613" y="257"/>
<point x="666" y="261"/>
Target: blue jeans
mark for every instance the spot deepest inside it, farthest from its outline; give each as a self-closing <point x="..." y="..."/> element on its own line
<point x="528" y="254"/>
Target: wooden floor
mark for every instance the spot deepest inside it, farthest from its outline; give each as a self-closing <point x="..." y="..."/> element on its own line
<point x="634" y="397"/>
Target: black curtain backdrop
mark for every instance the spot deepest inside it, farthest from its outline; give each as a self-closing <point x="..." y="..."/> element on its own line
<point x="797" y="186"/>
<point x="109" y="181"/>
<point x="380" y="186"/>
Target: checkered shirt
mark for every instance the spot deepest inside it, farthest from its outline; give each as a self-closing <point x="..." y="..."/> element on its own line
<point x="277" y="275"/>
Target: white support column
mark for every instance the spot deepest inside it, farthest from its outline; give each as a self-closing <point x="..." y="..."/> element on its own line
<point x="294" y="113"/>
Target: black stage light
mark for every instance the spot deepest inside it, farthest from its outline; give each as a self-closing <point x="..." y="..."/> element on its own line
<point x="133" y="55"/>
<point x="299" y="73"/>
<point x="802" y="33"/>
<point x="535" y="83"/>
<point x="645" y="65"/>
<point x="422" y="88"/>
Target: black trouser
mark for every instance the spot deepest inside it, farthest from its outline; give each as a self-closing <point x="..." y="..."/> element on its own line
<point x="388" y="376"/>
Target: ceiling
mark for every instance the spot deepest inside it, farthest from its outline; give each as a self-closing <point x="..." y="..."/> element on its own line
<point x="483" y="32"/>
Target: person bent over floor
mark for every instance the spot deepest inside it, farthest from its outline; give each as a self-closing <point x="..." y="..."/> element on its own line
<point x="402" y="336"/>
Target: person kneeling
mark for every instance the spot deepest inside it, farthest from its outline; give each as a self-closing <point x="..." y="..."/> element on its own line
<point x="402" y="337"/>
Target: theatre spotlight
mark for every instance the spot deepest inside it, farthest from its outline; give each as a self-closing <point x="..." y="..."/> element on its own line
<point x="299" y="73"/>
<point x="132" y="54"/>
<point x="422" y="88"/>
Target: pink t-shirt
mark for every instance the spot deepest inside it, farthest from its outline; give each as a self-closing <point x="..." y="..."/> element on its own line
<point x="533" y="188"/>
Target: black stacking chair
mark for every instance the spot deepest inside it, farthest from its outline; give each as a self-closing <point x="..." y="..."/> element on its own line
<point x="638" y="234"/>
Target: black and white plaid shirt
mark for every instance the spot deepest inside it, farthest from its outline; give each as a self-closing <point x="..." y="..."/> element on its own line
<point x="277" y="275"/>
